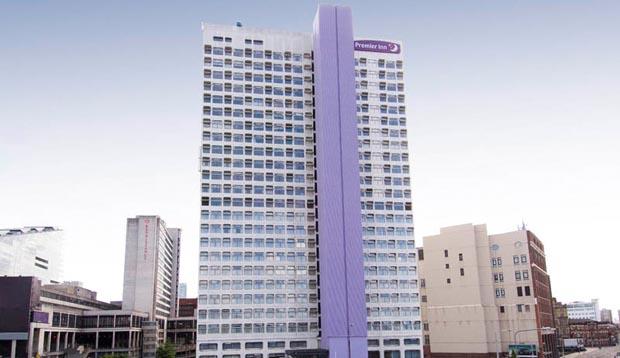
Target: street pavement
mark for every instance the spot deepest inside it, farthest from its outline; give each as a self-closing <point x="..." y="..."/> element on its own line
<point x="606" y="352"/>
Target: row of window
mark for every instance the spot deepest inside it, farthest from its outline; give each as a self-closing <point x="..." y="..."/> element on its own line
<point x="497" y="261"/>
<point x="393" y="326"/>
<point x="520" y="308"/>
<point x="251" y="345"/>
<point x="256" y="284"/>
<point x="383" y="109"/>
<point x="256" y="65"/>
<point x="389" y="257"/>
<point x="260" y="203"/>
<point x="250" y="215"/>
<point x="257" y="242"/>
<point x="388" y="244"/>
<point x="382" y="74"/>
<point x="386" y="193"/>
<point x="381" y="97"/>
<point x="255" y="151"/>
<point x="238" y="328"/>
<point x="256" y="256"/>
<point x="390" y="284"/>
<point x="261" y="190"/>
<point x="267" y="78"/>
<point x="381" y="86"/>
<point x="389" y="270"/>
<point x="248" y="52"/>
<point x="245" y="88"/>
<point x="257" y="298"/>
<point x="381" y="132"/>
<point x="519" y="275"/>
<point x="254" y="164"/>
<point x="226" y="270"/>
<point x="387" y="218"/>
<point x="381" y="63"/>
<point x="257" y="114"/>
<point x="258" y="313"/>
<point x="393" y="311"/>
<point x="250" y="176"/>
<point x="239" y="242"/>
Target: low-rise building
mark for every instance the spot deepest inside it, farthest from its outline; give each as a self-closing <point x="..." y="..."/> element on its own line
<point x="181" y="330"/>
<point x="579" y="310"/>
<point x="52" y="320"/>
<point x="594" y="333"/>
<point x="481" y="293"/>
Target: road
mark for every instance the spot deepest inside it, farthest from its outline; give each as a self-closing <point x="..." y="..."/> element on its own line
<point x="606" y="352"/>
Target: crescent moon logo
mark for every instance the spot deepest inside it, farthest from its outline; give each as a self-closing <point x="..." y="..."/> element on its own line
<point x="394" y="47"/>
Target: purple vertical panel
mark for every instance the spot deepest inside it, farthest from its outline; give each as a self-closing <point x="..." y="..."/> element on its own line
<point x="343" y="307"/>
<point x="329" y="177"/>
<point x="356" y="300"/>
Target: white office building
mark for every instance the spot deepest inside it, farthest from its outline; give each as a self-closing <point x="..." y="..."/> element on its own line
<point x="295" y="193"/>
<point x="151" y="276"/>
<point x="584" y="310"/>
<point x="32" y="251"/>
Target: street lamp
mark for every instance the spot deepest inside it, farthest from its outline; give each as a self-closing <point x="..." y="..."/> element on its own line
<point x="551" y="329"/>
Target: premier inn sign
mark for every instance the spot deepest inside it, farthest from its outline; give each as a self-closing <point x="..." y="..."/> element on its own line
<point x="376" y="46"/>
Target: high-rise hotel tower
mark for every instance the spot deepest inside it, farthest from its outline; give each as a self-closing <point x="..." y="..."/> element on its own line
<point x="306" y="218"/>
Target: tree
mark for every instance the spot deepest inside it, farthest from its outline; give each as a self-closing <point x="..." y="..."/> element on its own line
<point x="513" y="354"/>
<point x="115" y="355"/>
<point x="166" y="350"/>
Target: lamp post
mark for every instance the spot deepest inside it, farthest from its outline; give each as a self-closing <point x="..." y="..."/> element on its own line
<point x="533" y="329"/>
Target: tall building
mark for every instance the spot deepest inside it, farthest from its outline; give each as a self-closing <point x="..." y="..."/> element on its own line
<point x="286" y="162"/>
<point x="584" y="310"/>
<point x="606" y="316"/>
<point x="32" y="251"/>
<point x="151" y="276"/>
<point x="483" y="292"/>
<point x="182" y="290"/>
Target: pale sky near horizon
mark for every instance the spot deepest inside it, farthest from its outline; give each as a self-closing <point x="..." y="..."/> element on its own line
<point x="513" y="109"/>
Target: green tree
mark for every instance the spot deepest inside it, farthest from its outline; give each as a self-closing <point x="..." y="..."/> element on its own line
<point x="115" y="355"/>
<point x="513" y="354"/>
<point x="166" y="350"/>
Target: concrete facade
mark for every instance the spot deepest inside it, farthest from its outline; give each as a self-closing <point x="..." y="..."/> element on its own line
<point x="479" y="294"/>
<point x="584" y="310"/>
<point x="151" y="267"/>
<point x="32" y="251"/>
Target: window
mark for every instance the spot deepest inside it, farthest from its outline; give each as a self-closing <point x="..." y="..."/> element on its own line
<point x="298" y="344"/>
<point x="517" y="275"/>
<point x="445" y="253"/>
<point x="526" y="275"/>
<point x="519" y="308"/>
<point x="448" y="280"/>
<point x="460" y="257"/>
<point x="447" y="266"/>
<point x="519" y="291"/>
<point x="523" y="259"/>
<point x="527" y="291"/>
<point x="515" y="259"/>
<point x="502" y="309"/>
<point x="499" y="261"/>
<point x="462" y="272"/>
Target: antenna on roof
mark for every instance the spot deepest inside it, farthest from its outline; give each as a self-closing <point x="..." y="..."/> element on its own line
<point x="523" y="226"/>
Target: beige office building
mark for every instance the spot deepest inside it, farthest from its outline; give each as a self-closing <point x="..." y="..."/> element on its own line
<point x="481" y="292"/>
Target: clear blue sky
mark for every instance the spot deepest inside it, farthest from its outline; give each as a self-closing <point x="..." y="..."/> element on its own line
<point x="513" y="108"/>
